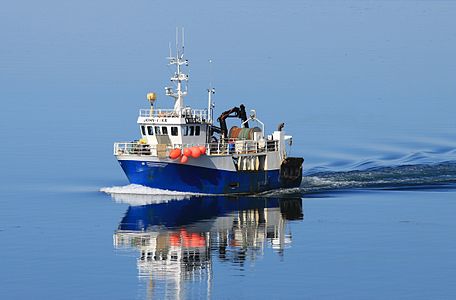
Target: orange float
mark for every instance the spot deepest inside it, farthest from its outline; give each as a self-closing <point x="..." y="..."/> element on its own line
<point x="184" y="159"/>
<point x="174" y="239"/>
<point x="202" y="149"/>
<point x="188" y="152"/>
<point x="195" y="152"/>
<point x="175" y="153"/>
<point x="196" y="240"/>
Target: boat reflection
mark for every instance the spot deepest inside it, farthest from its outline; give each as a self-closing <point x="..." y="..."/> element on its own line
<point x="180" y="240"/>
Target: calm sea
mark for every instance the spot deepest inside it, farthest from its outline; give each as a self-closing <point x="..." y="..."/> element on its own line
<point x="366" y="88"/>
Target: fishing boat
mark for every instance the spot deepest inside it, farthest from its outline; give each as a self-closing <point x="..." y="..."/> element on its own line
<point x="183" y="149"/>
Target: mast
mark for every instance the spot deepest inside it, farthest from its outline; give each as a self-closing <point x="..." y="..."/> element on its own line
<point x="210" y="91"/>
<point x="210" y="105"/>
<point x="179" y="78"/>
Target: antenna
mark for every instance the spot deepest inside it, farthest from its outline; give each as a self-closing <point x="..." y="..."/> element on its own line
<point x="177" y="41"/>
<point x="179" y="78"/>
<point x="210" y="73"/>
<point x="183" y="40"/>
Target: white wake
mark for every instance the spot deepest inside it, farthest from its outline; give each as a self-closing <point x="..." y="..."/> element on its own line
<point x="135" y="194"/>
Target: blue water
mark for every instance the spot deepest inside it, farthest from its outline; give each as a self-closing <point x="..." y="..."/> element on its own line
<point x="366" y="88"/>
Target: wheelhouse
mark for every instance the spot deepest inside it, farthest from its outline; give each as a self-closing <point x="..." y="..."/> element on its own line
<point x="174" y="129"/>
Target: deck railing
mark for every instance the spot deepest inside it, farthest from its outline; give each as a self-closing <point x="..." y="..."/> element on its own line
<point x="197" y="114"/>
<point x="134" y="149"/>
<point x="212" y="149"/>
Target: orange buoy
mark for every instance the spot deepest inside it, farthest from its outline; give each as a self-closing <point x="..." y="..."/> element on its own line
<point x="201" y="242"/>
<point x="188" y="152"/>
<point x="184" y="159"/>
<point x="174" y="239"/>
<point x="175" y="153"/>
<point x="195" y="240"/>
<point x="202" y="149"/>
<point x="195" y="152"/>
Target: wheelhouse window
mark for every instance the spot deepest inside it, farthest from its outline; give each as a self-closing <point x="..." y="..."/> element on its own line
<point x="174" y="131"/>
<point x="197" y="130"/>
<point x="157" y="130"/>
<point x="185" y="130"/>
<point x="150" y="130"/>
<point x="192" y="130"/>
<point x="143" y="130"/>
<point x="164" y="130"/>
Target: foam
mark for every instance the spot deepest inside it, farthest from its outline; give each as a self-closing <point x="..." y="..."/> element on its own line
<point x="135" y="194"/>
<point x="136" y="189"/>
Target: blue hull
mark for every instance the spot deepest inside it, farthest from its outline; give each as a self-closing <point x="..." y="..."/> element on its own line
<point x="187" y="178"/>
